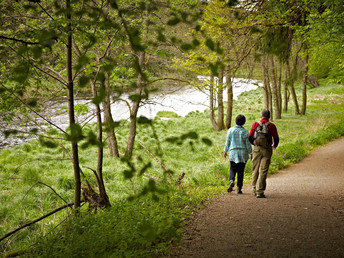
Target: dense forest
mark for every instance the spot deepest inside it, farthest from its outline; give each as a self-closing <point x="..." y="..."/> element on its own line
<point x="136" y="172"/>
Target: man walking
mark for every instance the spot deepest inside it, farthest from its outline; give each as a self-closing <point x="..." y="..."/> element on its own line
<point x="239" y="148"/>
<point x="263" y="135"/>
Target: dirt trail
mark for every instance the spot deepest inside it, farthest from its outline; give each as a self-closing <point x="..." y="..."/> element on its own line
<point x="303" y="214"/>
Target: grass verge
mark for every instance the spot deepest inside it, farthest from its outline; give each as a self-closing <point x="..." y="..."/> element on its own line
<point x="146" y="226"/>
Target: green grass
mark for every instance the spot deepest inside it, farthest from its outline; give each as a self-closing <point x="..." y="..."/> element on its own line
<point x="145" y="227"/>
<point x="167" y="114"/>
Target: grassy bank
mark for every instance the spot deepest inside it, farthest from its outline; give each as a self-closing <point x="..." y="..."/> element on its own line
<point x="146" y="227"/>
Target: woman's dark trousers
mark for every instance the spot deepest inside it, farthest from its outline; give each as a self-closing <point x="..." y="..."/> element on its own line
<point x="237" y="169"/>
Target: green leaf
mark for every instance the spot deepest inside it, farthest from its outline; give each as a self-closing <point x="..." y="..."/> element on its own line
<point x="195" y="42"/>
<point x="186" y="47"/>
<point x="151" y="185"/>
<point x="47" y="143"/>
<point x="34" y="131"/>
<point x="143" y="170"/>
<point x="155" y="198"/>
<point x="100" y="96"/>
<point x="75" y="133"/>
<point x="32" y="102"/>
<point x="232" y="3"/>
<point x="172" y="139"/>
<point x="111" y="125"/>
<point x="213" y="69"/>
<point x="190" y="135"/>
<point x="210" y="44"/>
<point x="207" y="141"/>
<point x="219" y="50"/>
<point x="173" y="21"/>
<point x="83" y="81"/>
<point x="128" y="174"/>
<point x="37" y="52"/>
<point x="144" y="120"/>
<point x="161" y="37"/>
<point x="81" y="109"/>
<point x="108" y="67"/>
<point x="135" y="97"/>
<point x="7" y="133"/>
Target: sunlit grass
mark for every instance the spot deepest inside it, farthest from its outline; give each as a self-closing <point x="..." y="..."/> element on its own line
<point x="206" y="173"/>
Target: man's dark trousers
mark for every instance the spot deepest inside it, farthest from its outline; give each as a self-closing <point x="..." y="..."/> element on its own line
<point x="237" y="168"/>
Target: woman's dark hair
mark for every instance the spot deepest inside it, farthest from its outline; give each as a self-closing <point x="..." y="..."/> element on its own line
<point x="240" y="120"/>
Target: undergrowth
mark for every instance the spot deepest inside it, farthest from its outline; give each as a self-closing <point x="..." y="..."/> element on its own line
<point x="143" y="226"/>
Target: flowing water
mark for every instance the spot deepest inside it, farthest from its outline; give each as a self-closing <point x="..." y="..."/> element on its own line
<point x="180" y="101"/>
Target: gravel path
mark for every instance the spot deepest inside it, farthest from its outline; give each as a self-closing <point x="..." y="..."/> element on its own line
<point x="303" y="214"/>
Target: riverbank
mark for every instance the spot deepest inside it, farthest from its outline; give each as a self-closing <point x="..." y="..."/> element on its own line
<point x="145" y="227"/>
<point x="179" y="100"/>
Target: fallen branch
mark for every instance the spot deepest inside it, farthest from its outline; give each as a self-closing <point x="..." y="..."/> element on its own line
<point x="152" y="177"/>
<point x="180" y="178"/>
<point x="36" y="220"/>
<point x="154" y="157"/>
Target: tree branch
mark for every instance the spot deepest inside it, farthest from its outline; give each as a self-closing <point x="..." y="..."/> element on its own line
<point x="36" y="220"/>
<point x="19" y="40"/>
<point x="172" y="79"/>
<point x="49" y="122"/>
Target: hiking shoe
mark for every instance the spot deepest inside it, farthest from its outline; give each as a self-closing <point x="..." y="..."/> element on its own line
<point x="239" y="191"/>
<point x="261" y="196"/>
<point x="231" y="185"/>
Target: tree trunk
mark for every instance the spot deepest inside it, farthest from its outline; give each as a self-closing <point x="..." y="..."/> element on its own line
<point x="220" y="122"/>
<point x="292" y="87"/>
<point x="211" y="104"/>
<point x="275" y="93"/>
<point x="313" y="80"/>
<point x="304" y="85"/>
<point x="135" y="108"/>
<point x="229" y="112"/>
<point x="266" y="83"/>
<point x="104" y="199"/>
<point x="286" y="85"/>
<point x="77" y="190"/>
<point x="279" y="87"/>
<point x="108" y="120"/>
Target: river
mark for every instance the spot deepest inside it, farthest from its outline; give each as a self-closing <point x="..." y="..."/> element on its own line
<point x="181" y="101"/>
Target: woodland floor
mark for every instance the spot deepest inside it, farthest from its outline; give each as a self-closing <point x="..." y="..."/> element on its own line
<point x="303" y="214"/>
